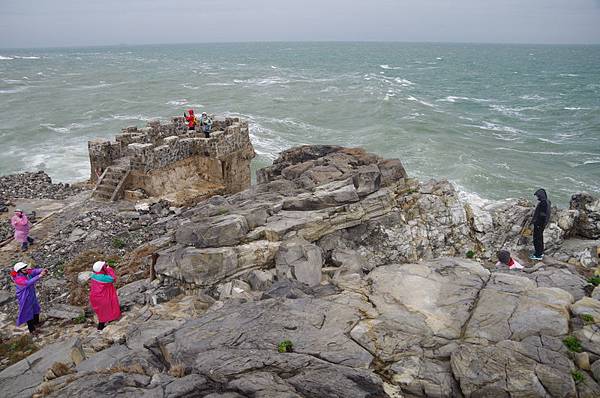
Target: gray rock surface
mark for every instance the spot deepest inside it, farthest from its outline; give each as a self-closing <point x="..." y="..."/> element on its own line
<point x="65" y="311"/>
<point x="22" y="378"/>
<point x="297" y="259"/>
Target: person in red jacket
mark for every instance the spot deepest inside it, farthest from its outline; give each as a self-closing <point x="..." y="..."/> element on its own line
<point x="190" y="119"/>
<point x="103" y="295"/>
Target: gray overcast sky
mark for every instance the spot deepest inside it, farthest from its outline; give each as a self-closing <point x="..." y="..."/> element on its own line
<point x="41" y="23"/>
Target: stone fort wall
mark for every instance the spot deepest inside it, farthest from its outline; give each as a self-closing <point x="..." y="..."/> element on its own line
<point x="163" y="158"/>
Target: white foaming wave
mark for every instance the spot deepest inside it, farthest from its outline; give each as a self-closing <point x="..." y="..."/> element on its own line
<point x="533" y="97"/>
<point x="188" y="86"/>
<point x="3" y="58"/>
<point x="51" y="127"/>
<point x="411" y="98"/>
<point x="133" y="117"/>
<point x="101" y="84"/>
<point x="269" y="81"/>
<point x="533" y="152"/>
<point x="569" y="75"/>
<point x="177" y="102"/>
<point x="219" y="84"/>
<point x="389" y="67"/>
<point x="452" y="98"/>
<point x="14" y="90"/>
<point x="12" y="81"/>
<point x="274" y="67"/>
<point x="507" y="111"/>
<point x="575" y="108"/>
<point x="28" y="57"/>
<point x="403" y="82"/>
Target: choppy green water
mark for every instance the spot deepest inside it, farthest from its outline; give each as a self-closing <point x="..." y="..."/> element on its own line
<point x="499" y="121"/>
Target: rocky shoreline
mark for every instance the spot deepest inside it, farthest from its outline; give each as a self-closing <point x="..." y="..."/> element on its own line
<point x="383" y="286"/>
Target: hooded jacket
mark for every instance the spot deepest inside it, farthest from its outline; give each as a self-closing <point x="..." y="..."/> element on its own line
<point x="21" y="226"/>
<point x="191" y="119"/>
<point x="103" y="295"/>
<point x="541" y="215"/>
<point x="25" y="287"/>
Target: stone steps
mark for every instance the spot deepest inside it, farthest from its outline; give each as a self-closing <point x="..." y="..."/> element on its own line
<point x="110" y="182"/>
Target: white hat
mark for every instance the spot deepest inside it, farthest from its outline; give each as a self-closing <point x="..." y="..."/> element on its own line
<point x="18" y="211"/>
<point x="98" y="266"/>
<point x="19" y="266"/>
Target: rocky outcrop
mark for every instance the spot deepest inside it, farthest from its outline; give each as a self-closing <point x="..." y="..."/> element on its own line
<point x="339" y="276"/>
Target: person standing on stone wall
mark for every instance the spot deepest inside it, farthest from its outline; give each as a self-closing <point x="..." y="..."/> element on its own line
<point x="103" y="295"/>
<point x="541" y="218"/>
<point x="206" y="124"/>
<point x="20" y="223"/>
<point x="29" y="307"/>
<point x="191" y="119"/>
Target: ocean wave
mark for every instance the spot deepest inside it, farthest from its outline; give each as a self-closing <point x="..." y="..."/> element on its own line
<point x="188" y="86"/>
<point x="403" y="82"/>
<point x="569" y="75"/>
<point x="15" y="90"/>
<point x="452" y="98"/>
<point x="533" y="97"/>
<point x="51" y="127"/>
<point x="27" y="57"/>
<point x="387" y="67"/>
<point x="219" y="84"/>
<point x="269" y="81"/>
<point x="3" y="58"/>
<point x="178" y="102"/>
<point x="411" y="98"/>
<point x="133" y="117"/>
<point x="574" y="108"/>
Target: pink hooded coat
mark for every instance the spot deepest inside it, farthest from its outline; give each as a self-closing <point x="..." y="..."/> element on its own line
<point x="103" y="296"/>
<point x="21" y="226"/>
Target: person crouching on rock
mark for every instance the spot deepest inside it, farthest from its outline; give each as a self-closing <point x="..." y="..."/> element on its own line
<point x="20" y="223"/>
<point x="505" y="258"/>
<point x="191" y="119"/>
<point x="29" y="307"/>
<point x="541" y="218"/>
<point x="103" y="295"/>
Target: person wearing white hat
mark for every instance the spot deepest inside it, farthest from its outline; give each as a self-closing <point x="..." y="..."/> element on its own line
<point x="103" y="295"/>
<point x="20" y="223"/>
<point x="29" y="307"/>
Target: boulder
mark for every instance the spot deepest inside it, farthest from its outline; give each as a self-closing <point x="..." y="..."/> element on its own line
<point x="367" y="179"/>
<point x="297" y="259"/>
<point x="260" y="280"/>
<point x="588" y="221"/>
<point x="207" y="267"/>
<point x="348" y="261"/>
<point x="227" y="230"/>
<point x="134" y="293"/>
<point x="65" y="311"/>
<point x="587" y="306"/>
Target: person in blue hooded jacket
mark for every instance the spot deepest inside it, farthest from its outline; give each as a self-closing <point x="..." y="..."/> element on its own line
<point x="541" y="218"/>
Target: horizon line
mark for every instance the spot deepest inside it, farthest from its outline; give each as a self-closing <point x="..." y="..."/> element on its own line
<point x="293" y="41"/>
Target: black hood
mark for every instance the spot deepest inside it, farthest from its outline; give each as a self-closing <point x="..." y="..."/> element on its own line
<point x="541" y="194"/>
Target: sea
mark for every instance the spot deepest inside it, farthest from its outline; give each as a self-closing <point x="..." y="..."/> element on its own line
<point x="498" y="121"/>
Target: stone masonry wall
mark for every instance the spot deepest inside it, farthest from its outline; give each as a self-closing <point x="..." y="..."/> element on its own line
<point x="158" y="149"/>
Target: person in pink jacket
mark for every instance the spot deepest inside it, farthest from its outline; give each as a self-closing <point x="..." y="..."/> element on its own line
<point x="103" y="295"/>
<point x="20" y="223"/>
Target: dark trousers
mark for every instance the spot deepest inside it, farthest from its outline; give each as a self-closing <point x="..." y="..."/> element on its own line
<point x="101" y="325"/>
<point x="538" y="240"/>
<point x="32" y="322"/>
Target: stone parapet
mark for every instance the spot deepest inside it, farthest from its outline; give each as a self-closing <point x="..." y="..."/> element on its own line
<point x="155" y="147"/>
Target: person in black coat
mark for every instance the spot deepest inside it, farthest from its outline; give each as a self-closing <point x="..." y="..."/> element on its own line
<point x="541" y="217"/>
